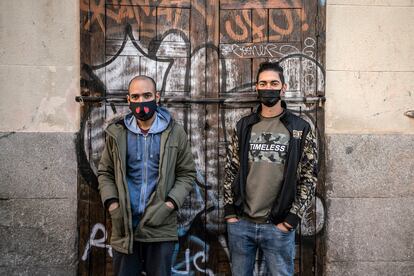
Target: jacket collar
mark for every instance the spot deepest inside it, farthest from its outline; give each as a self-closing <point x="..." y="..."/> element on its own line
<point x="117" y="129"/>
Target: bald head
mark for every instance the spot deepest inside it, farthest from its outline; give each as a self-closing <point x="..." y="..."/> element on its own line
<point x="142" y="81"/>
<point x="142" y="89"/>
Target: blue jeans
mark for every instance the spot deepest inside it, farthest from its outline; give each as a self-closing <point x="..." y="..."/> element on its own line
<point x="278" y="247"/>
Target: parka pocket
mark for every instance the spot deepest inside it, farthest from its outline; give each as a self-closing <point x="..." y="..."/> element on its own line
<point x="117" y="220"/>
<point x="163" y="215"/>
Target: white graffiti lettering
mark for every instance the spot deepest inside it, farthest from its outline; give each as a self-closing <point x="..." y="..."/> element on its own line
<point x="204" y="258"/>
<point x="187" y="265"/>
<point x="257" y="50"/>
<point x="96" y="242"/>
<point x="271" y="50"/>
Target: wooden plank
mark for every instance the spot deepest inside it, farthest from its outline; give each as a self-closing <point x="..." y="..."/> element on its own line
<point x="198" y="28"/>
<point x="152" y="3"/>
<point x="284" y="25"/>
<point x="212" y="119"/>
<point x="84" y="32"/>
<point x="172" y="49"/>
<point x="163" y="49"/>
<point x="83" y="225"/>
<point x="308" y="87"/>
<point x="172" y="23"/>
<point x="216" y="225"/>
<point x="212" y="19"/>
<point x="293" y="75"/>
<point x="96" y="14"/>
<point x="320" y="45"/>
<point x="197" y="127"/>
<point x="320" y="19"/>
<point x="235" y="75"/>
<point x="259" y="25"/>
<point x="121" y="71"/>
<point x="118" y="17"/>
<point x="230" y="118"/>
<point x="261" y="4"/>
<point x="175" y="77"/>
<point x="86" y="42"/>
<point x="108" y="257"/>
<point x="97" y="255"/>
<point x="148" y="67"/>
<point x="96" y="136"/>
<point x="227" y="121"/>
<point x="234" y="26"/>
<point x="147" y="25"/>
<point x="255" y="67"/>
<point x="309" y="79"/>
<point x="97" y="45"/>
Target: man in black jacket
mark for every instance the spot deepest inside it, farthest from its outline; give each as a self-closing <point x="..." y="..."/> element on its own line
<point x="271" y="175"/>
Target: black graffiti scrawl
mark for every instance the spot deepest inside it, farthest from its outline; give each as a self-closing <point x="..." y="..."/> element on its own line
<point x="204" y="57"/>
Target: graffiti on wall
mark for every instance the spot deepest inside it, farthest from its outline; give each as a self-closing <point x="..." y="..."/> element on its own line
<point x="135" y="42"/>
<point x="287" y="17"/>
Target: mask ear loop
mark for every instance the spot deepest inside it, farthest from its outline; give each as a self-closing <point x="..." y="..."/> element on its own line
<point x="159" y="100"/>
<point x="113" y="107"/>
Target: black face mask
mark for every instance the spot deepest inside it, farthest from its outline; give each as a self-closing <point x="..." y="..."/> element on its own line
<point x="269" y="97"/>
<point x="143" y="111"/>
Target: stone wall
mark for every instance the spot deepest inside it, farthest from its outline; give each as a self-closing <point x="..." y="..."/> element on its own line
<point x="369" y="140"/>
<point x="39" y="72"/>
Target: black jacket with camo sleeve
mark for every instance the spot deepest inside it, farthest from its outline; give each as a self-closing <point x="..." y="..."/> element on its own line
<point x="300" y="173"/>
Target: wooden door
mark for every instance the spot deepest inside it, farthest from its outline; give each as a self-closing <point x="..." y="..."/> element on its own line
<point x="204" y="57"/>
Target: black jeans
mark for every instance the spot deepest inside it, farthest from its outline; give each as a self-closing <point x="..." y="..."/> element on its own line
<point x="155" y="258"/>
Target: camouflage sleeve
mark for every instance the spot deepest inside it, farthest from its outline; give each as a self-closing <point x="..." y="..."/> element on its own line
<point x="307" y="180"/>
<point x="231" y="170"/>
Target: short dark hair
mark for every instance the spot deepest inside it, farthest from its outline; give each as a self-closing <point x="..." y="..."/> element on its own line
<point x="271" y="66"/>
<point x="143" y="77"/>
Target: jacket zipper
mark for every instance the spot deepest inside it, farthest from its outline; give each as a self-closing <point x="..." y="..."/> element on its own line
<point x="145" y="177"/>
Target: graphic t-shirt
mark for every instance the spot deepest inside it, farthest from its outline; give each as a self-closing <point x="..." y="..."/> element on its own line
<point x="269" y="143"/>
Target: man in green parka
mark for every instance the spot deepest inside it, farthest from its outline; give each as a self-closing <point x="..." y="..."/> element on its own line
<point x="145" y="173"/>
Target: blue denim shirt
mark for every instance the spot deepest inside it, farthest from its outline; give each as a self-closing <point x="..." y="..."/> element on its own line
<point x="143" y="155"/>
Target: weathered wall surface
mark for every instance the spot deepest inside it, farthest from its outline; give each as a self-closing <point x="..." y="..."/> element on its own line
<point x="369" y="141"/>
<point x="39" y="73"/>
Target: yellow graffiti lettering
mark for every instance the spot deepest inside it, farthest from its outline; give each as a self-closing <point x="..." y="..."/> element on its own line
<point x="280" y="30"/>
<point x="241" y="25"/>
